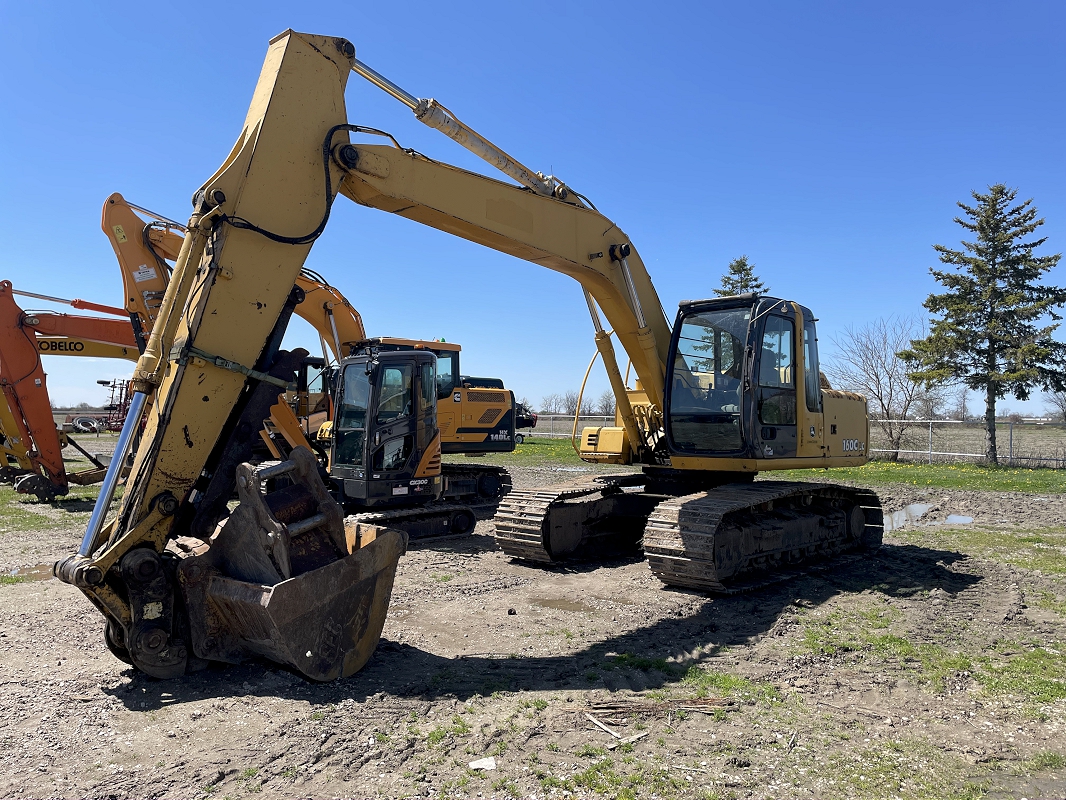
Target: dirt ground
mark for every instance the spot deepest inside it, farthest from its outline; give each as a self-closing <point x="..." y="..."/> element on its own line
<point x="934" y="668"/>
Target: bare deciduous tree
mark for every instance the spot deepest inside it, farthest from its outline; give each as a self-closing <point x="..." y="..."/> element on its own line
<point x="551" y="404"/>
<point x="570" y="402"/>
<point x="867" y="362"/>
<point x="961" y="409"/>
<point x="605" y="403"/>
<point x="1056" y="405"/>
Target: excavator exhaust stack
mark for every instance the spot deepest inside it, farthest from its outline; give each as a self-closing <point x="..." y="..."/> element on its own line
<point x="283" y="578"/>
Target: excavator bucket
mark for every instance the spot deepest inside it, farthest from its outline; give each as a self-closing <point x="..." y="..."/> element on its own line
<point x="284" y="578"/>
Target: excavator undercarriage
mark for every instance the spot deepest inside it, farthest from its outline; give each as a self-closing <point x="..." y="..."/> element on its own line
<point x="734" y="536"/>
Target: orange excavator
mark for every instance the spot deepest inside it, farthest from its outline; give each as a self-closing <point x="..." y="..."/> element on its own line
<point x="32" y="446"/>
<point x="31" y="438"/>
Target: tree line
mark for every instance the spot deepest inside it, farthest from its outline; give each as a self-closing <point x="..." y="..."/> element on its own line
<point x="566" y="404"/>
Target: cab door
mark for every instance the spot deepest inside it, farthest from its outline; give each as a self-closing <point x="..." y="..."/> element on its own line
<point x="348" y="456"/>
<point x="402" y="431"/>
<point x="392" y="429"/>
<point x="449" y="397"/>
<point x="775" y="388"/>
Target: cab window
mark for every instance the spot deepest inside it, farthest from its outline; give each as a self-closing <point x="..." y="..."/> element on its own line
<point x="706" y="381"/>
<point x="777" y="381"/>
<point x="446" y="377"/>
<point x="350" y="433"/>
<point x="811" y="381"/>
<point x="427" y="385"/>
<point x="394" y="453"/>
<point x="775" y="366"/>
<point x="394" y="393"/>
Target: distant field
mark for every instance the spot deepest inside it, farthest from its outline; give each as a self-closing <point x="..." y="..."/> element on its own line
<point x="1033" y="444"/>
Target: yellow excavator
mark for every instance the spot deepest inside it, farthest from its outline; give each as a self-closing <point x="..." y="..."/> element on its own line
<point x="729" y="390"/>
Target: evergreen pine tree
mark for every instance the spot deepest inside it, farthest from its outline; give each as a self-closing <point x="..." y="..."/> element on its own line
<point x="989" y="334"/>
<point x="740" y="278"/>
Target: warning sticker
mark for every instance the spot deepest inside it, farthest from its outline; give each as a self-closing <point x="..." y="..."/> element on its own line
<point x="144" y="273"/>
<point x="120" y="234"/>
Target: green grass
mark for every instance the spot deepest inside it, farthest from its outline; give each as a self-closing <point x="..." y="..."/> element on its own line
<point x="17" y="512"/>
<point x="945" y="476"/>
<point x="1049" y="601"/>
<point x="1046" y="759"/>
<point x="704" y="681"/>
<point x="24" y="512"/>
<point x="1035" y="676"/>
<point x="1041" y="549"/>
<point x="1028" y="673"/>
<point x="865" y="633"/>
<point x="534" y="452"/>
<point x="906" y="768"/>
<point x="11" y="580"/>
<point x="438" y="735"/>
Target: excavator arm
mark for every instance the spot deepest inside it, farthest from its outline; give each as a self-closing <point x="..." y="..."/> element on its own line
<point x="313" y="590"/>
<point x="571" y="239"/>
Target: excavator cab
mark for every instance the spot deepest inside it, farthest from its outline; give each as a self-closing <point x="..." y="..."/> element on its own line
<point x="743" y="387"/>
<point x="734" y="386"/>
<point x="386" y="446"/>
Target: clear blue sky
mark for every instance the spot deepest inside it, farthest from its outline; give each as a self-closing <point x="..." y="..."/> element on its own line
<point x="827" y="141"/>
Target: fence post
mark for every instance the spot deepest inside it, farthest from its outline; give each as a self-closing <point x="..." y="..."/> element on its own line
<point x="930" y="441"/>
<point x="1010" y="447"/>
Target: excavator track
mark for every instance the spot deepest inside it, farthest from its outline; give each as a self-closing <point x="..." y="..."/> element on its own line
<point x="573" y="520"/>
<point x="741" y="536"/>
<point x="425" y="522"/>
<point x="475" y="483"/>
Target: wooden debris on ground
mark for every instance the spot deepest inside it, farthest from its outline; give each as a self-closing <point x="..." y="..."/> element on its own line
<point x="627" y="740"/>
<point x="601" y="726"/>
<point x="702" y="705"/>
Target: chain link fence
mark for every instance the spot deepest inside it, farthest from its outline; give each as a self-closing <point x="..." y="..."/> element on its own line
<point x="1032" y="444"/>
<point x="560" y="426"/>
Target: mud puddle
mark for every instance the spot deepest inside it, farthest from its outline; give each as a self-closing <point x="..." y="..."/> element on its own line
<point x="560" y="604"/>
<point x="38" y="572"/>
